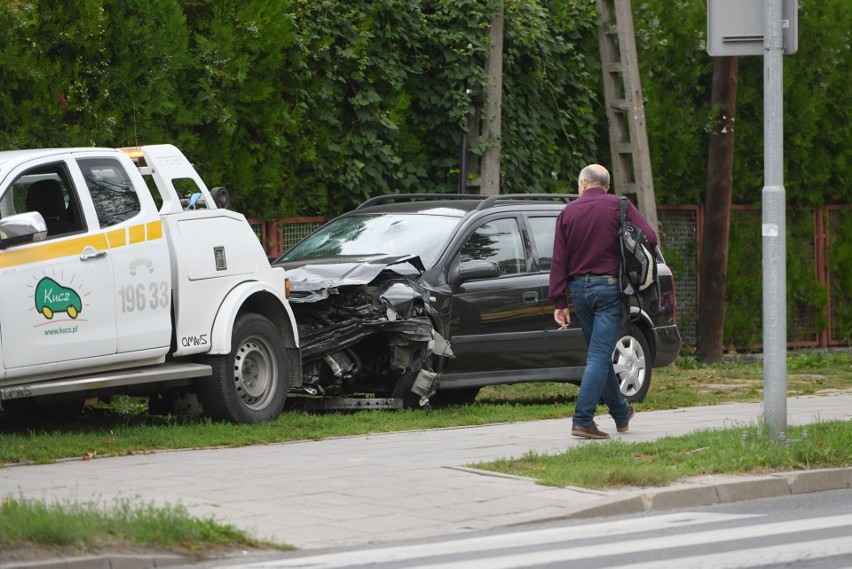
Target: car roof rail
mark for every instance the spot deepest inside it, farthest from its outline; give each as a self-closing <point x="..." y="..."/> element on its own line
<point x="491" y="201"/>
<point x="413" y="197"/>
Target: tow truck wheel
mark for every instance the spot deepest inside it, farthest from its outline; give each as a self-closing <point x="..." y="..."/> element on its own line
<point x="249" y="385"/>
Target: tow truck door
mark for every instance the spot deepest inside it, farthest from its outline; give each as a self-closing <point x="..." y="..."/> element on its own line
<point x="57" y="293"/>
<point x="138" y="251"/>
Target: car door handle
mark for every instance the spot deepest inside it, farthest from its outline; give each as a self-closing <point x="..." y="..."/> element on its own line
<point x="530" y="297"/>
<point x="88" y="256"/>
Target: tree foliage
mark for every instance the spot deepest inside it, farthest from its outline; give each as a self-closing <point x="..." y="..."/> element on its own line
<point x="302" y="106"/>
<point x="86" y="74"/>
<point x="306" y="107"/>
<point x="676" y="74"/>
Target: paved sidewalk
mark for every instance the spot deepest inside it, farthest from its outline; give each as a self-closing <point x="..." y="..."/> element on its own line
<point x="364" y="489"/>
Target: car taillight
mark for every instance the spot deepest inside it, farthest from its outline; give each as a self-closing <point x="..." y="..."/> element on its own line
<point x="668" y="302"/>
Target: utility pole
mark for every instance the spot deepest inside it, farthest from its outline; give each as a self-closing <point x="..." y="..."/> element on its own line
<point x="491" y="128"/>
<point x="774" y="227"/>
<point x="717" y="209"/>
<point x="768" y="28"/>
<point x="625" y="107"/>
<point x="488" y="122"/>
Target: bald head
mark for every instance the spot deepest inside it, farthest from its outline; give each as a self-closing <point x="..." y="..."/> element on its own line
<point x="593" y="175"/>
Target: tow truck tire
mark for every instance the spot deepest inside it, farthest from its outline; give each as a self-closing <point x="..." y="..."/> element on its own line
<point x="249" y="385"/>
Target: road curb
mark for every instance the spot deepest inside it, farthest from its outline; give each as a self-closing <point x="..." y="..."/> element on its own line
<point x="707" y="491"/>
<point x="102" y="562"/>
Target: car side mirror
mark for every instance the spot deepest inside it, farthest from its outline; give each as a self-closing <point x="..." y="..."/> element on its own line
<point x="22" y="228"/>
<point x="478" y="269"/>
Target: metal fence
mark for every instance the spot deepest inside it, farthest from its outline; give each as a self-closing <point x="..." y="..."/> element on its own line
<point x="817" y="240"/>
<point x="679" y="231"/>
<point x="837" y="258"/>
<point x="279" y="235"/>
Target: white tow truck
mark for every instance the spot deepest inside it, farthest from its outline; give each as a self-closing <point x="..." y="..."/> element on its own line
<point x="112" y="283"/>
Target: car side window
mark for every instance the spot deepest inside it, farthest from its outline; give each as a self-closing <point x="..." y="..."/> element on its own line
<point x="498" y="241"/>
<point x="113" y="194"/>
<point x="543" y="231"/>
<point x="45" y="190"/>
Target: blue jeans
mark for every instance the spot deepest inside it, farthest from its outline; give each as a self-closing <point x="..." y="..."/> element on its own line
<point x="597" y="304"/>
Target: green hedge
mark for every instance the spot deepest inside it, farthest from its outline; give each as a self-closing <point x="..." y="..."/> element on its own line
<point x="807" y="299"/>
<point x="306" y="107"/>
<point x="303" y="107"/>
<point x="676" y="77"/>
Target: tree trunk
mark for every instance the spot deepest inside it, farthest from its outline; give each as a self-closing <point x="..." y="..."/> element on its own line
<point x="717" y="212"/>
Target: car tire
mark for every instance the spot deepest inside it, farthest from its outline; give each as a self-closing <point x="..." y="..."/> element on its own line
<point x="463" y="396"/>
<point x="631" y="360"/>
<point x="249" y="385"/>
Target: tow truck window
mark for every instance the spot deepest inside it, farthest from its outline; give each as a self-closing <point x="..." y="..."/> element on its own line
<point x="45" y="190"/>
<point x="112" y="192"/>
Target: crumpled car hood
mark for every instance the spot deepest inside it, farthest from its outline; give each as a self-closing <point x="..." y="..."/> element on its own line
<point x="319" y="278"/>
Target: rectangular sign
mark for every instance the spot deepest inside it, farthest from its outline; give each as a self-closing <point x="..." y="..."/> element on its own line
<point x="735" y="27"/>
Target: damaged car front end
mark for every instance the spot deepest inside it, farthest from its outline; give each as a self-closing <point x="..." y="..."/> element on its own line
<point x="366" y="327"/>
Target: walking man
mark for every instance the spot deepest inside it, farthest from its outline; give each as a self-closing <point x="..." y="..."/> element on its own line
<point x="586" y="265"/>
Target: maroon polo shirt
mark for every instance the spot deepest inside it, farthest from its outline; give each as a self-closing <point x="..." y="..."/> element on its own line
<point x="585" y="240"/>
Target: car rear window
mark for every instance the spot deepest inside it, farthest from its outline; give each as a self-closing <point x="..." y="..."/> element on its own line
<point x="377" y="234"/>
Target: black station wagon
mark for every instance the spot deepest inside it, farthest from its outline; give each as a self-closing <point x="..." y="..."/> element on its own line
<point x="431" y="297"/>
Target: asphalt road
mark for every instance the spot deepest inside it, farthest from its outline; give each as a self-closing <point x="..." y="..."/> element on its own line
<point x="813" y="531"/>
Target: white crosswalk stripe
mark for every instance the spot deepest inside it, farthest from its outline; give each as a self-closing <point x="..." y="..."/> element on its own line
<point x="566" y="544"/>
<point x="630" y="547"/>
<point x="759" y="556"/>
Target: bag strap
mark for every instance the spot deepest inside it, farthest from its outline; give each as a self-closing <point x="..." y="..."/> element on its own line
<point x="622" y="206"/>
<point x="625" y="296"/>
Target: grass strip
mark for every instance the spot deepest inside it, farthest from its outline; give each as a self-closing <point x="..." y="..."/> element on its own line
<point x="741" y="450"/>
<point x="90" y="525"/>
<point x="106" y="435"/>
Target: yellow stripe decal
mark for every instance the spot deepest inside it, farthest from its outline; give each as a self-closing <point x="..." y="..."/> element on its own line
<point x="155" y="230"/>
<point x="54" y="249"/>
<point x="51" y="250"/>
<point x="117" y="238"/>
<point x="137" y="234"/>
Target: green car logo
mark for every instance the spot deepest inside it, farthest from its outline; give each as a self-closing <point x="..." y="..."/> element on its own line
<point x="51" y="297"/>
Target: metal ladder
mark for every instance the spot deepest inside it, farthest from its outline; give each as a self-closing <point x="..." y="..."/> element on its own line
<point x="625" y="111"/>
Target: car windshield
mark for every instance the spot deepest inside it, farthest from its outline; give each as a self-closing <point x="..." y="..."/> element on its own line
<point x="377" y="234"/>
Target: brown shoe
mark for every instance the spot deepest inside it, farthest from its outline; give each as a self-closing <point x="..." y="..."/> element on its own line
<point x="589" y="431"/>
<point x="623" y="427"/>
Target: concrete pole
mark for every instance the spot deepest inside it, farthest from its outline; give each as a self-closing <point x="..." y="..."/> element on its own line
<point x="490" y="172"/>
<point x="774" y="227"/>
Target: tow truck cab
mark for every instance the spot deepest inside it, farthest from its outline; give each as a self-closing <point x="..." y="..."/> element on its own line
<point x="114" y="284"/>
